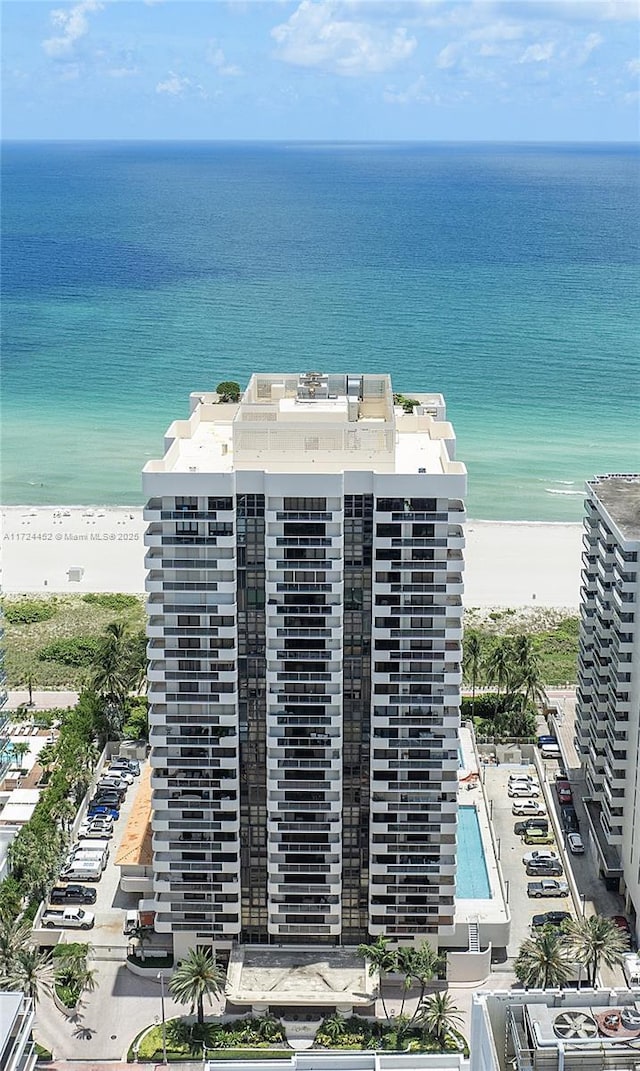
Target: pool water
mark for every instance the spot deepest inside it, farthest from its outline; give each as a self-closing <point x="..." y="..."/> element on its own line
<point x="472" y="880"/>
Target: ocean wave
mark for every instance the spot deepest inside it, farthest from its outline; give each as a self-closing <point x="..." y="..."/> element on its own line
<point x="555" y="491"/>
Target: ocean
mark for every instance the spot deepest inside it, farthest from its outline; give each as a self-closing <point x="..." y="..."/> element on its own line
<point x="503" y="276"/>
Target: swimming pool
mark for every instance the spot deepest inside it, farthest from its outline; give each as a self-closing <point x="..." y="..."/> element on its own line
<point x="472" y="879"/>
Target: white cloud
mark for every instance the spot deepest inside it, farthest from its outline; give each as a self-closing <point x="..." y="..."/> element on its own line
<point x="633" y="67"/>
<point x="538" y="53"/>
<point x="593" y="40"/>
<point x="123" y="72"/>
<point x="216" y="57"/>
<point x="177" y="85"/>
<point x="416" y="93"/>
<point x="326" y="35"/>
<point x="72" y="24"/>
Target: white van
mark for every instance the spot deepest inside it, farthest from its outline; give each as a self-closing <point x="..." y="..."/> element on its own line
<point x="92" y="847"/>
<point x="550" y="751"/>
<point x="82" y="870"/>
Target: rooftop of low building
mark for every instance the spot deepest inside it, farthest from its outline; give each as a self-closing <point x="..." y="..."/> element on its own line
<point x="620" y="496"/>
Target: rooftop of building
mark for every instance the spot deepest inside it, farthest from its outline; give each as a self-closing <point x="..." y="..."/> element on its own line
<point x="11" y="1005"/>
<point x="135" y="847"/>
<point x="620" y="496"/>
<point x="313" y="422"/>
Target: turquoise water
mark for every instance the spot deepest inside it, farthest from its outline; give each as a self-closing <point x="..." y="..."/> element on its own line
<point x="503" y="276"/>
<point x="472" y="879"/>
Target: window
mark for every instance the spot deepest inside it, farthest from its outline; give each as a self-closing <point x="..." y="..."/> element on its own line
<point x="214" y="504"/>
<point x="186" y="505"/>
<point x="186" y="527"/>
<point x="188" y="620"/>
<point x="305" y="505"/>
<point x="188" y="643"/>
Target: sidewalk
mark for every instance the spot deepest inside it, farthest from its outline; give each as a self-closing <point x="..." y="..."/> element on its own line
<point x="41" y="700"/>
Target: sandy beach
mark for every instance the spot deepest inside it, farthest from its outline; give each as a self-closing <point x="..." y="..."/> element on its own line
<point x="81" y="549"/>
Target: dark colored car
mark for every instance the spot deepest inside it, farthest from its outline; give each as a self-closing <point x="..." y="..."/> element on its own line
<point x="545" y="868"/>
<point x="564" y="792"/>
<point x="570" y="822"/>
<point x="102" y="808"/>
<point x="521" y="828"/>
<point x="550" y="918"/>
<point x="72" y="894"/>
<point x="622" y="923"/>
<point x="543" y="740"/>
<point x="107" y="799"/>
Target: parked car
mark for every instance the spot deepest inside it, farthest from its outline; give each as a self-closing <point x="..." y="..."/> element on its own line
<point x="523" y="788"/>
<point x="82" y="870"/>
<point x="95" y="820"/>
<point x="94" y="833"/>
<point x="71" y="917"/>
<point x="547" y="739"/>
<point x="545" y="868"/>
<point x="550" y="751"/>
<point x="565" y="794"/>
<point x="540" y="853"/>
<point x="103" y="809"/>
<point x="520" y="828"/>
<point x="107" y="799"/>
<point x="622" y="923"/>
<point x="127" y="764"/>
<point x="569" y="817"/>
<point x="522" y="777"/>
<point x="130" y="923"/>
<point x="114" y="781"/>
<point x="72" y="894"/>
<point x="528" y="807"/>
<point x="547" y="887"/>
<point x="631" y="968"/>
<point x="538" y="836"/>
<point x="561" y="774"/>
<point x="575" y="843"/>
<point x="550" y="918"/>
<point x="122" y="772"/>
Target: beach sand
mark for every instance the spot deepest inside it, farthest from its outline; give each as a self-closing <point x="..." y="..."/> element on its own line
<point x="78" y="549"/>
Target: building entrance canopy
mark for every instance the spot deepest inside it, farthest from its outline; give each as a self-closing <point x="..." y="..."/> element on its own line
<point x="301" y="977"/>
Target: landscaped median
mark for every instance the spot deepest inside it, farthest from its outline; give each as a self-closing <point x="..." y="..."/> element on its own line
<point x="264" y="1038"/>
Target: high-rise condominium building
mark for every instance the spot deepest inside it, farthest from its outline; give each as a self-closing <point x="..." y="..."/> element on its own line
<point x="608" y="698"/>
<point x="305" y="623"/>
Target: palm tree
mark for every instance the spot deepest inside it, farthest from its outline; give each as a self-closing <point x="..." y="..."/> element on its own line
<point x="531" y="685"/>
<point x="141" y="934"/>
<point x="196" y="977"/>
<point x="335" y="1026"/>
<point x="110" y="677"/>
<point x="596" y="940"/>
<point x="268" y="1028"/>
<point x="14" y="938"/>
<point x="544" y="960"/>
<point x="64" y="811"/>
<point x="47" y="757"/>
<point x="499" y="668"/>
<point x="381" y="959"/>
<point x="472" y="662"/>
<point x="33" y="973"/>
<point x="419" y="965"/>
<point x="20" y="751"/>
<point x="440" y="1017"/>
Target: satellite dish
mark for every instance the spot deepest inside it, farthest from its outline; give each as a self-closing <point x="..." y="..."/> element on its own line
<point x="575" y="1024"/>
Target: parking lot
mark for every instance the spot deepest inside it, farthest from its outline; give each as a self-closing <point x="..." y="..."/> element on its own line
<point x="111" y="904"/>
<point x="512" y="850"/>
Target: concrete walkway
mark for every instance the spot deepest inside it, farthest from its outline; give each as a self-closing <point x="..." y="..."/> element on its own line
<point x="42" y="700"/>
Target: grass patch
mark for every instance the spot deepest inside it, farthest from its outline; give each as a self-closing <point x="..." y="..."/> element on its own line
<point x="27" y="611"/>
<point x="72" y="617"/>
<point x="41" y="1052"/>
<point x="112" y="601"/>
<point x="554" y="635"/>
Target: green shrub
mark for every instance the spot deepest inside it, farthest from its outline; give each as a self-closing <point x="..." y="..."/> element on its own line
<point x="77" y="651"/>
<point x="42" y="1053"/>
<point x="228" y="391"/>
<point x="112" y="601"/>
<point x="28" y="611"/>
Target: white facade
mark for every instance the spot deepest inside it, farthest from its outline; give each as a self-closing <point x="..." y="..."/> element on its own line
<point x="305" y="556"/>
<point x="17" y="1050"/>
<point x="608" y="697"/>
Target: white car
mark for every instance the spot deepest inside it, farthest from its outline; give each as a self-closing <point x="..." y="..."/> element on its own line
<point x="119" y="771"/>
<point x="538" y="855"/>
<point x="528" y="807"/>
<point x="523" y="788"/>
<point x="522" y="777"/>
<point x="99" y="833"/>
<point x="575" y="843"/>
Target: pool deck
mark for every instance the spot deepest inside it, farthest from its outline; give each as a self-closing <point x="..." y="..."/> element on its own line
<point x="492" y="915"/>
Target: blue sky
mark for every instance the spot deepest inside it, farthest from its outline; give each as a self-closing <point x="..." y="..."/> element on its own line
<point x="321" y="69"/>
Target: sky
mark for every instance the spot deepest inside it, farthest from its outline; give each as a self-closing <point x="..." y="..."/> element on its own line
<point x="344" y="70"/>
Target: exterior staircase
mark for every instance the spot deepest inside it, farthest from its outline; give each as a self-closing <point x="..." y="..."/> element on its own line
<point x="474" y="937"/>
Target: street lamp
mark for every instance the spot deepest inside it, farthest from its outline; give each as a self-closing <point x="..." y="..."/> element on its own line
<point x="164" y="1022"/>
<point x="584" y="904"/>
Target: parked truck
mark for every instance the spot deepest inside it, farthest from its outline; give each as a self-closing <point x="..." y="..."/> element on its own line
<point x="70" y="917"/>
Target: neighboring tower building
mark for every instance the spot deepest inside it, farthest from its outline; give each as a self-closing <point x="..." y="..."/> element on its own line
<point x="305" y="625"/>
<point x="608" y="697"/>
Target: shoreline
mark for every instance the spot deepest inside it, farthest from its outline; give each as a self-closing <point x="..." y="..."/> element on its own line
<point x="63" y="550"/>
